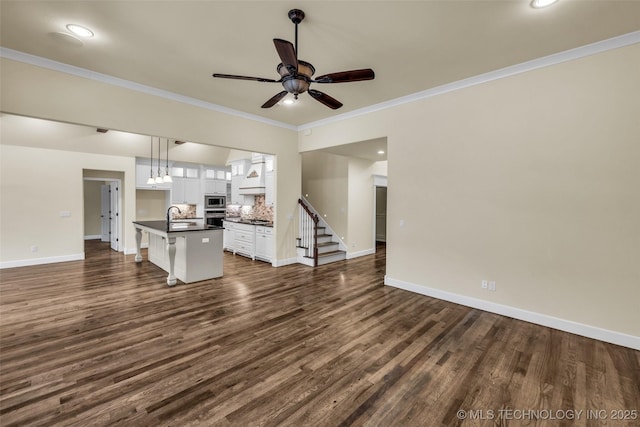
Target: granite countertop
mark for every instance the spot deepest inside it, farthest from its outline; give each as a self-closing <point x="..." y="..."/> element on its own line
<point x="178" y="226"/>
<point x="250" y="222"/>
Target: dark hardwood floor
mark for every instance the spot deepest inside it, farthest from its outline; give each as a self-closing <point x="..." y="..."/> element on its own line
<point x="105" y="342"/>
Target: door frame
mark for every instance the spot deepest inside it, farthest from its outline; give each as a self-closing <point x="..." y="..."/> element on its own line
<point x="378" y="181"/>
<point x="118" y="183"/>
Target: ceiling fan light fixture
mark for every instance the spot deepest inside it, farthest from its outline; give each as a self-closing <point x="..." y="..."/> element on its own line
<point x="295" y="86"/>
<point x="288" y="101"/>
<point x="539" y="4"/>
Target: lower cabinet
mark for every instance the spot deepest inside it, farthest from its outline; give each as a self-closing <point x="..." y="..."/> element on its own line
<point x="255" y="242"/>
<point x="264" y="243"/>
<point x="245" y="240"/>
<point x="229" y="236"/>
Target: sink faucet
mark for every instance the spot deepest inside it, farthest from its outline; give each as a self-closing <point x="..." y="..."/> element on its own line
<point x="169" y="213"/>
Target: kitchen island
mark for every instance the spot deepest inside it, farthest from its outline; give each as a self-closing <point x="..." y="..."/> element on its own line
<point x="188" y="250"/>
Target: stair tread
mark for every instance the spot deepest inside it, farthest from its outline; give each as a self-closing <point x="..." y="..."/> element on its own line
<point x="336" y="252"/>
<point x="331" y="253"/>
<point x="328" y="244"/>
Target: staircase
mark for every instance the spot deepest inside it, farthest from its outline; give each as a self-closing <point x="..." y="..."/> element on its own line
<point x="315" y="245"/>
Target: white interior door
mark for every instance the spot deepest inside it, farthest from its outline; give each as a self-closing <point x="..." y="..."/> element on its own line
<point x="105" y="207"/>
<point x="114" y="215"/>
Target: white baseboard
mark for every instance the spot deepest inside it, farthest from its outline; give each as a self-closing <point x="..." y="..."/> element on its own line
<point x="129" y="251"/>
<point x="38" y="261"/>
<point x="92" y="237"/>
<point x="282" y="262"/>
<point x="351" y="255"/>
<point x="588" y="331"/>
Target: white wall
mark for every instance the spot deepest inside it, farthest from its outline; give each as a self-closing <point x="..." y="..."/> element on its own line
<point x="531" y="181"/>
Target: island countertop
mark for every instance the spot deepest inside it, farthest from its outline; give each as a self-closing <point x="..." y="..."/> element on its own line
<point x="187" y="249"/>
<point x="180" y="226"/>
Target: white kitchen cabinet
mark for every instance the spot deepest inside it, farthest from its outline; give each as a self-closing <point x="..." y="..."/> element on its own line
<point x="215" y="186"/>
<point x="269" y="182"/>
<point x="143" y="170"/>
<point x="245" y="235"/>
<point x="264" y="243"/>
<point x="186" y="191"/>
<point x="229" y="236"/>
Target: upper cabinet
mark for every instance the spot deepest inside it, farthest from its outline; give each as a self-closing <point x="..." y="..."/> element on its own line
<point x="269" y="181"/>
<point x="186" y="185"/>
<point x="239" y="169"/>
<point x="144" y="170"/>
<point x="215" y="180"/>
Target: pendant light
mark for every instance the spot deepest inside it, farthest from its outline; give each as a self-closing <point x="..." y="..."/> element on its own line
<point x="151" y="181"/>
<point x="159" y="179"/>
<point x="167" y="177"/>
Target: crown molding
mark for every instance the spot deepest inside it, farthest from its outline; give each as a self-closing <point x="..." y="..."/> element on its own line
<point x="545" y="61"/>
<point x="39" y="61"/>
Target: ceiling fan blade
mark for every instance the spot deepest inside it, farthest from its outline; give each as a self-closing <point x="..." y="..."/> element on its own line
<point x="287" y="54"/>
<point x="257" y="79"/>
<point x="330" y="102"/>
<point x="274" y="99"/>
<point x="347" y="76"/>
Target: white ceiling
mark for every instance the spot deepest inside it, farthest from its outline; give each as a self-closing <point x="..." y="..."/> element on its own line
<point x="412" y="45"/>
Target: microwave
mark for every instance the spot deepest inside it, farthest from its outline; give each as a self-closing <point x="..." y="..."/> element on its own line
<point x="215" y="202"/>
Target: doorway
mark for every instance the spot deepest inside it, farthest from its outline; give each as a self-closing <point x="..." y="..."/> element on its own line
<point x="379" y="210"/>
<point x="102" y="206"/>
<point x="381" y="214"/>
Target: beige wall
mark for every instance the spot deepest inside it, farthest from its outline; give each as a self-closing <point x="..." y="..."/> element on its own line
<point x="42" y="183"/>
<point x="92" y="208"/>
<point x="531" y="181"/>
<point x="361" y="208"/>
<point x="37" y="92"/>
<point x="341" y="190"/>
<point x="325" y="184"/>
<point x="150" y="205"/>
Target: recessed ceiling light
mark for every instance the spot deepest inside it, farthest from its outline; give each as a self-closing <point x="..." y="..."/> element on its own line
<point x="380" y="151"/>
<point x="538" y="4"/>
<point x="79" y="30"/>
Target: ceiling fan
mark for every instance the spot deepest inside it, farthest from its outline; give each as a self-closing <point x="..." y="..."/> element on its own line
<point x="296" y="75"/>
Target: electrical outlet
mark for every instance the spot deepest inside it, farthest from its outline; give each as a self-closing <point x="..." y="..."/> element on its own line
<point x="492" y="286"/>
<point x="34" y="249"/>
<point x="485" y="284"/>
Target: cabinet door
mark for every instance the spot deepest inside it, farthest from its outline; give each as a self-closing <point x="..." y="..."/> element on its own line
<point x="215" y="186"/>
<point x="178" y="191"/>
<point x="228" y="237"/>
<point x="264" y="244"/>
<point x="268" y="191"/>
<point x="192" y="191"/>
<point x="185" y="190"/>
<point x="209" y="186"/>
<point x="220" y="187"/>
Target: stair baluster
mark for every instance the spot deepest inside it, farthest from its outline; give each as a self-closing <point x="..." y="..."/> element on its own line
<point x="309" y="230"/>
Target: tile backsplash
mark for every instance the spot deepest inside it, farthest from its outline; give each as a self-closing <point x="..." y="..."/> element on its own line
<point x="186" y="211"/>
<point x="258" y="211"/>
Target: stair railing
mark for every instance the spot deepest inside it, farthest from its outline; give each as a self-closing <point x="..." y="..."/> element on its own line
<point x="309" y="230"/>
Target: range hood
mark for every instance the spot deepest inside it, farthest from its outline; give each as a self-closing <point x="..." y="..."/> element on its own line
<point x="253" y="183"/>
